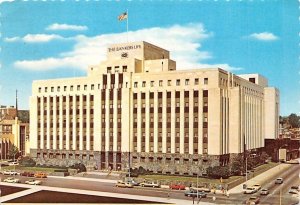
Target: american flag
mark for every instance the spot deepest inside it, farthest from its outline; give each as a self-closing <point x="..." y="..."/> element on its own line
<point x="123" y="16"/>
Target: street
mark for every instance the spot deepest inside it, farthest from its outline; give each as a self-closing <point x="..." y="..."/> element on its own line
<point x="277" y="191"/>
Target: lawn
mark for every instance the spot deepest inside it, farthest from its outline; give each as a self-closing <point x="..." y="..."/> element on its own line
<point x="167" y="179"/>
<point x="32" y="169"/>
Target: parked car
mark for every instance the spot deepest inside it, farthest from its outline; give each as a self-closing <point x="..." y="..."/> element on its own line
<point x="150" y="184"/>
<point x="33" y="182"/>
<point x="194" y="193"/>
<point x="11" y="180"/>
<point x="27" y="174"/>
<point x="13" y="163"/>
<point x="264" y="191"/>
<point x="177" y="186"/>
<point x="124" y="184"/>
<point x="205" y="189"/>
<point x="250" y="190"/>
<point x="10" y="172"/>
<point x="279" y="181"/>
<point x="132" y="181"/>
<point x="40" y="175"/>
<point x="257" y="186"/>
<point x="253" y="200"/>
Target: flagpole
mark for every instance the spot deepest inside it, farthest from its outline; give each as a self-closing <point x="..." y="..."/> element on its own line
<point x="127" y="24"/>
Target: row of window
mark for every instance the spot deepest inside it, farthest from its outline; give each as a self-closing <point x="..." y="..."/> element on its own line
<point x="169" y="82"/>
<point x="117" y="69"/>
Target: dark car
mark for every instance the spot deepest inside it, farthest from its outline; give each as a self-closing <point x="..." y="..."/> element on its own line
<point x="279" y="181"/>
<point x="27" y="174"/>
<point x="194" y="193"/>
<point x="253" y="200"/>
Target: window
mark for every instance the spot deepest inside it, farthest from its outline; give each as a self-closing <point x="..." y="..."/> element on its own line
<point x="58" y="89"/>
<point x="71" y="88"/>
<point x="65" y="88"/>
<point x="252" y="80"/>
<point x="108" y="69"/>
<point x="187" y="81"/>
<point x="116" y="69"/>
<point x="135" y="84"/>
<point x="92" y="87"/>
<point x="177" y="82"/>
<point x="85" y="87"/>
<point x="52" y="89"/>
<point x="160" y="83"/>
<point x="124" y="68"/>
<point x="40" y="89"/>
<point x="152" y="83"/>
<point x="205" y="81"/>
<point x="78" y="87"/>
<point x="46" y="89"/>
<point x="197" y="81"/>
<point x="144" y="84"/>
<point x="169" y="82"/>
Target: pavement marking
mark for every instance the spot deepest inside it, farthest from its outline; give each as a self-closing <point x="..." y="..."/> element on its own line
<point x="20" y="194"/>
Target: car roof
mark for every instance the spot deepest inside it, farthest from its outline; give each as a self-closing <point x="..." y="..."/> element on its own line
<point x="279" y="178"/>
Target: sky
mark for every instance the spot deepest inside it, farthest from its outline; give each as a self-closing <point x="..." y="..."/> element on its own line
<point x="58" y="39"/>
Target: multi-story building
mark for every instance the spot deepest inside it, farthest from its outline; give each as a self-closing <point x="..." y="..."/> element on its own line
<point x="137" y="105"/>
<point x="14" y="131"/>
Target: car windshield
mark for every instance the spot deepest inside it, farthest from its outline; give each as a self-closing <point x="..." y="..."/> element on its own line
<point x="252" y="198"/>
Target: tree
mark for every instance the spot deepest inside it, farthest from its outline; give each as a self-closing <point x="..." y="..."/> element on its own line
<point x="218" y="172"/>
<point x="237" y="166"/>
<point x="263" y="157"/>
<point x="294" y="120"/>
<point x="13" y="152"/>
<point x="27" y="162"/>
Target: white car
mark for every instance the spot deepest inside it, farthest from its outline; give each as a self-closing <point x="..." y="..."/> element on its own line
<point x="11" y="180"/>
<point x="13" y="163"/>
<point x="150" y="184"/>
<point x="10" y="172"/>
<point x="257" y="186"/>
<point x="33" y="182"/>
<point x="250" y="190"/>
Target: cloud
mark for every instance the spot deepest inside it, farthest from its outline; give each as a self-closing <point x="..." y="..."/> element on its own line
<point x="56" y="26"/>
<point x="183" y="42"/>
<point x="12" y="39"/>
<point x="35" y="38"/>
<point x="265" y="36"/>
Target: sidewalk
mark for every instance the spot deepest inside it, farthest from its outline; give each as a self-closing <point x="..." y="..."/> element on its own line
<point x="261" y="178"/>
<point x="86" y="179"/>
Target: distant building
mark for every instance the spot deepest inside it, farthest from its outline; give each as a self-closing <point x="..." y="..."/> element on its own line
<point x="137" y="105"/>
<point x="13" y="131"/>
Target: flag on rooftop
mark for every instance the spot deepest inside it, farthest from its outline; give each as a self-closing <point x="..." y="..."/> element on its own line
<point x="123" y="16"/>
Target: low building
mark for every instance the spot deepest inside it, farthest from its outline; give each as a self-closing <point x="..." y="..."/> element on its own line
<point x="135" y="109"/>
<point x="14" y="131"/>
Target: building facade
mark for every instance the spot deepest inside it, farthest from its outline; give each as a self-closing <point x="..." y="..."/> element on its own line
<point x="135" y="109"/>
<point x="14" y="131"/>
